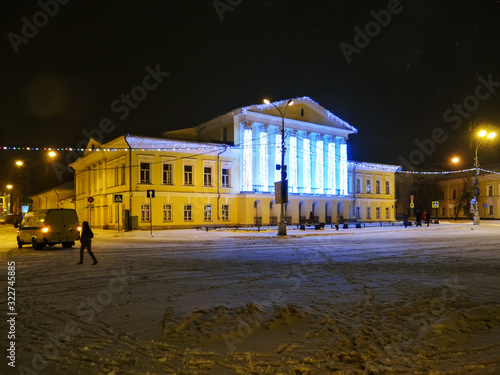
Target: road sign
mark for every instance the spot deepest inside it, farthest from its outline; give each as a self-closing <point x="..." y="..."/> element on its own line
<point x="473" y="201"/>
<point x="90" y="199"/>
<point x="118" y="198"/>
<point x="435" y="204"/>
<point x="412" y="205"/>
<point x="150" y="193"/>
<point x="485" y="204"/>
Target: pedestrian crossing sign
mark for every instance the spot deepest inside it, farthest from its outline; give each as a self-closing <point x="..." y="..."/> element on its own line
<point x="118" y="198"/>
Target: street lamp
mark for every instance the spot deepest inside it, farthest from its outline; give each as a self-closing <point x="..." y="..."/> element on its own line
<point x="455" y="160"/>
<point x="284" y="185"/>
<point x="481" y="135"/>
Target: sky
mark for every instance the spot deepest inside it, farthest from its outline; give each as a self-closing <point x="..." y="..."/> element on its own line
<point x="414" y="77"/>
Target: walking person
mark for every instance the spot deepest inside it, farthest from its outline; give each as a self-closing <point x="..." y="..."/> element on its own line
<point x="86" y="240"/>
<point x="418" y="219"/>
<point x="427" y="218"/>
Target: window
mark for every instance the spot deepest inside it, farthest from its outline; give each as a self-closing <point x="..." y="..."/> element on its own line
<point x="454" y="194"/>
<point x="388" y="187"/>
<point x="490" y="191"/>
<point x="207" y="212"/>
<point x="207" y="176"/>
<point x="387" y="213"/>
<point x="122" y="182"/>
<point x="377" y="213"/>
<point x="188" y="175"/>
<point x="490" y="210"/>
<point x="117" y="172"/>
<point x="358" y="213"/>
<point x="377" y="187"/>
<point x="167" y="212"/>
<point x="167" y="174"/>
<point x="145" y="177"/>
<point x="358" y="186"/>
<point x="188" y="212"/>
<point x="225" y="212"/>
<point x="441" y="195"/>
<point x="368" y="186"/>
<point x="225" y="177"/>
<point x="144" y="213"/>
<point x="368" y="213"/>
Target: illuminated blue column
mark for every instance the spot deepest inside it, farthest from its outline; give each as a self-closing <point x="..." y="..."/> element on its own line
<point x="343" y="167"/>
<point x="306" y="171"/>
<point x="292" y="164"/>
<point x="263" y="159"/>
<point x="247" y="157"/>
<point x="319" y="166"/>
<point x="331" y="166"/>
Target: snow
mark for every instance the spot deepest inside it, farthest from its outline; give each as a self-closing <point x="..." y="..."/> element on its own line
<point x="380" y="300"/>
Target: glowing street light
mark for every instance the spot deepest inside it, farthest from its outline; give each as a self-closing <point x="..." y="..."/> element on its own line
<point x="52" y="154"/>
<point x="481" y="135"/>
<point x="19" y="163"/>
<point x="455" y="160"/>
<point x="9" y="186"/>
<point x="284" y="184"/>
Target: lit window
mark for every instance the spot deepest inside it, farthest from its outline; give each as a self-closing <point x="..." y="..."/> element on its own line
<point x="207" y="213"/>
<point x="225" y="212"/>
<point x="145" y="176"/>
<point x="188" y="175"/>
<point x="188" y="212"/>
<point x="145" y="213"/>
<point x="167" y="212"/>
<point x="167" y="174"/>
<point x="368" y="186"/>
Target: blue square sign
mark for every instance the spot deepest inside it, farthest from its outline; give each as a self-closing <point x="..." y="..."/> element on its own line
<point x="150" y="193"/>
<point x="118" y="198"/>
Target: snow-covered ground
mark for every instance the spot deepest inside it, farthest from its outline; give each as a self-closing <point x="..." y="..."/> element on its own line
<point x="383" y="300"/>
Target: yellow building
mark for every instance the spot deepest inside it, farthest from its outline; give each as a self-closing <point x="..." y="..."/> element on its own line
<point x="222" y="173"/>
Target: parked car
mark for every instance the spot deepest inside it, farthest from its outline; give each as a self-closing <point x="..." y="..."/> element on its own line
<point x="48" y="228"/>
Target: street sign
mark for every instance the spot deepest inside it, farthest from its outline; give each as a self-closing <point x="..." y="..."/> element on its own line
<point x="435" y="204"/>
<point x="412" y="205"/>
<point x="118" y="198"/>
<point x="485" y="204"/>
<point x="150" y="193"/>
<point x="473" y="201"/>
<point x="90" y="199"/>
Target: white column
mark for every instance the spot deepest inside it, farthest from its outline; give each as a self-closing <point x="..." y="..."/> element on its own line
<point x="263" y="162"/>
<point x="292" y="166"/>
<point x="247" y="157"/>
<point x="319" y="165"/>
<point x="343" y="167"/>
<point x="306" y="154"/>
<point x="331" y="166"/>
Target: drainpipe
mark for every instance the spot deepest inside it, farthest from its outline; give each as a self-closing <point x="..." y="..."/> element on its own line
<point x="219" y="182"/>
<point x="354" y="190"/>
<point x="130" y="182"/>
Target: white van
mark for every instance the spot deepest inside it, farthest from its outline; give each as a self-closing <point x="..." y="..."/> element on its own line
<point x="49" y="227"/>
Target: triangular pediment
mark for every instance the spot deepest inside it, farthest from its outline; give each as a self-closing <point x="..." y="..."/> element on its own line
<point x="302" y="109"/>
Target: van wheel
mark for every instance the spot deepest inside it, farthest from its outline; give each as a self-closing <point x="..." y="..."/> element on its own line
<point x="19" y="243"/>
<point x="36" y="245"/>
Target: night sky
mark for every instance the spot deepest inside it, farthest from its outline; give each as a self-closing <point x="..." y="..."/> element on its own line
<point x="418" y="72"/>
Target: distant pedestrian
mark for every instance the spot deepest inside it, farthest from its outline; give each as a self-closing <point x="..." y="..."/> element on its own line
<point x="337" y="222"/>
<point x="418" y="219"/>
<point x="405" y="221"/>
<point x="311" y="217"/>
<point x="427" y="218"/>
<point x="86" y="236"/>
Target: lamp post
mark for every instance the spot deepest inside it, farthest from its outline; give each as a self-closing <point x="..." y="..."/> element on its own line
<point x="284" y="185"/>
<point x="481" y="135"/>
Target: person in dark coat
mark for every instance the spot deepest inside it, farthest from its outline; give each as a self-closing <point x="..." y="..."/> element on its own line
<point x="418" y="219"/>
<point x="86" y="239"/>
<point x="427" y="218"/>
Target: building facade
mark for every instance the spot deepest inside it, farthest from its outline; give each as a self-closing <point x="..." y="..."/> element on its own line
<point x="222" y="173"/>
